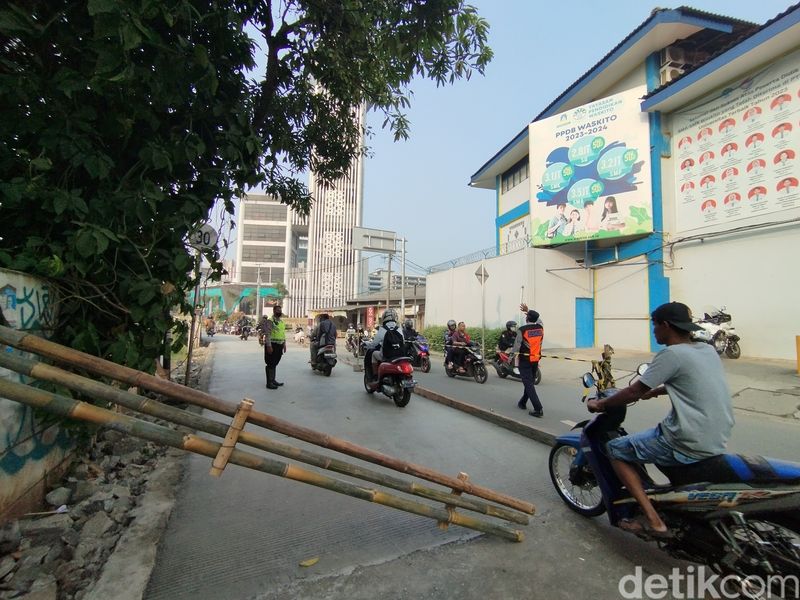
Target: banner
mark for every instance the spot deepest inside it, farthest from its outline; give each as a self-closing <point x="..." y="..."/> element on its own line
<point x="735" y="152"/>
<point x="590" y="172"/>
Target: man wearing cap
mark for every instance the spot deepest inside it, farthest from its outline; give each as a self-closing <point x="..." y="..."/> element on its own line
<point x="274" y="330"/>
<point x="528" y="351"/>
<point x="699" y="424"/>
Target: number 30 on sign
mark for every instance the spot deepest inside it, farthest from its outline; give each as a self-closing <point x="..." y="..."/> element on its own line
<point x="204" y="237"/>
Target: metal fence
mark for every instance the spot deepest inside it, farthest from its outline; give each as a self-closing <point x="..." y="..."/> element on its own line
<point x="479" y="255"/>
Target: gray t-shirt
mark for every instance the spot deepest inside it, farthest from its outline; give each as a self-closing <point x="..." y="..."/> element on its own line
<point x="700" y="422"/>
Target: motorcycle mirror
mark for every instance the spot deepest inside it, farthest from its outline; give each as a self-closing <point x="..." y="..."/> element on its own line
<point x="642" y="368"/>
<point x="588" y="380"/>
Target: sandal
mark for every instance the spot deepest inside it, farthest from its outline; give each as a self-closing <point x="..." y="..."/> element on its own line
<point x="642" y="529"/>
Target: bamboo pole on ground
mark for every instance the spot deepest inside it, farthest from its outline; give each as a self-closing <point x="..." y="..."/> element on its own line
<point x="101" y="391"/>
<point x="99" y="366"/>
<point x="75" y="409"/>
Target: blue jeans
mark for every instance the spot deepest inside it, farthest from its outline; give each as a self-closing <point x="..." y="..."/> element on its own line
<point x="648" y="446"/>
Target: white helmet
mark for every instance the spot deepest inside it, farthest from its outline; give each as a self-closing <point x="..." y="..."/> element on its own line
<point x="389" y="315"/>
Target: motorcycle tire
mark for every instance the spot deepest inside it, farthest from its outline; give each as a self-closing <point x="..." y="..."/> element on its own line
<point x="481" y="375"/>
<point x="719" y="342"/>
<point x="537" y="379"/>
<point x="402" y="398"/>
<point x="366" y="384"/>
<point x="563" y="454"/>
<point x="426" y="364"/>
<point x="450" y="372"/>
<point x="732" y="350"/>
<point x="327" y="371"/>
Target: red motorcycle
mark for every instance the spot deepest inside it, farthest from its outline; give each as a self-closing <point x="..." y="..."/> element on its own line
<point x="504" y="365"/>
<point x="395" y="378"/>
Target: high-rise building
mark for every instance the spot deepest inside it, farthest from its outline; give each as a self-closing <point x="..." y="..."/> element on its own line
<point x="333" y="271"/>
<point x="379" y="280"/>
<point x="264" y="236"/>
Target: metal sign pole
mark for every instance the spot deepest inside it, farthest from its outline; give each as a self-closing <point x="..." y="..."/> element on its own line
<point x="389" y="281"/>
<point x="194" y="319"/>
<point x="483" y="310"/>
<point x="403" y="281"/>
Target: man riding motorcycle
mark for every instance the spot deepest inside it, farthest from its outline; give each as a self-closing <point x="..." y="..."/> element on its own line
<point x="324" y="334"/>
<point x="448" y="347"/>
<point x="508" y="336"/>
<point x="459" y="340"/>
<point x="388" y="321"/>
<point x="699" y="424"/>
<point x="409" y="333"/>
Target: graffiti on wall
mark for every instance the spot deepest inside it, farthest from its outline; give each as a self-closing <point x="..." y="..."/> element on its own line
<point x="26" y="303"/>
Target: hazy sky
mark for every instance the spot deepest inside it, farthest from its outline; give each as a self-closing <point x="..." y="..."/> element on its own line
<point x="418" y="188"/>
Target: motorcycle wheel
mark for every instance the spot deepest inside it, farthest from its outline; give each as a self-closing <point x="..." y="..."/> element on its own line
<point x="402" y="398"/>
<point x="480" y="374"/>
<point x="719" y="342"/>
<point x="327" y="370"/>
<point x="587" y="499"/>
<point x="537" y="379"/>
<point x="366" y="384"/>
<point x="426" y="364"/>
<point x="450" y="372"/>
<point x="732" y="350"/>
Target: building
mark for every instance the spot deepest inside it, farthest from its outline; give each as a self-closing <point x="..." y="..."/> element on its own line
<point x="668" y="171"/>
<point x="332" y="273"/>
<point x="379" y="280"/>
<point x="263" y="243"/>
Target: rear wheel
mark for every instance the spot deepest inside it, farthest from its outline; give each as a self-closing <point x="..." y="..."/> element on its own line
<point x="732" y="350"/>
<point x="366" y="383"/>
<point x="426" y="364"/>
<point x="327" y="370"/>
<point x="402" y="398"/>
<point x="450" y="372"/>
<point x="480" y="373"/>
<point x="583" y="496"/>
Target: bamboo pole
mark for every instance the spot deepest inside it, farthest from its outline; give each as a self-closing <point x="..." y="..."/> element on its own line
<point x="99" y="366"/>
<point x="101" y="391"/>
<point x="231" y="437"/>
<point x="75" y="409"/>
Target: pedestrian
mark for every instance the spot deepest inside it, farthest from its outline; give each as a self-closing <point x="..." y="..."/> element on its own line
<point x="528" y="351"/>
<point x="274" y="329"/>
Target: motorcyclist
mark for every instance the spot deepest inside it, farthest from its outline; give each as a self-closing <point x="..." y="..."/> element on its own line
<point x="388" y="321"/>
<point x="459" y="340"/>
<point x="508" y="336"/>
<point x="409" y="333"/>
<point x="241" y="324"/>
<point x="448" y="342"/>
<point x="349" y="334"/>
<point x="324" y="334"/>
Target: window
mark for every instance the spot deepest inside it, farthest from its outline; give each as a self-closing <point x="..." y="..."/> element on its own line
<point x="264" y="212"/>
<point x="263" y="233"/>
<point x="268" y="274"/>
<point x="515" y="175"/>
<point x="263" y="254"/>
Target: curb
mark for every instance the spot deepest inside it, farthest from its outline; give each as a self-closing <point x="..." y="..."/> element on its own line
<point x="534" y="433"/>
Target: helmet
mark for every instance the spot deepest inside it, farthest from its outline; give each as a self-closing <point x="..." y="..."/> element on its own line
<point x="389" y="315"/>
<point x="408" y="324"/>
<point x="451" y="324"/>
<point x="511" y="325"/>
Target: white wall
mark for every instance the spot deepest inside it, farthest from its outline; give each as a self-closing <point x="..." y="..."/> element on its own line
<point x="622" y="317"/>
<point x="519" y="194"/>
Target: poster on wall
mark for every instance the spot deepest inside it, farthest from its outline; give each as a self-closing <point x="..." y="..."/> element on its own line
<point x="590" y="172"/>
<point x="735" y="152"/>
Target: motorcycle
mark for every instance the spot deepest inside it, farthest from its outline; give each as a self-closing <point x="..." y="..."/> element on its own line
<point x="503" y="363"/>
<point x="395" y="378"/>
<point x="718" y="331"/>
<point x="325" y="359"/>
<point x="473" y="364"/>
<point x="419" y="354"/>
<point x="210" y="331"/>
<point x="245" y="332"/>
<point x="737" y="514"/>
<point x="352" y="344"/>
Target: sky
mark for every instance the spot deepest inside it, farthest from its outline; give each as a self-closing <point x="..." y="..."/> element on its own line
<point x="418" y="188"/>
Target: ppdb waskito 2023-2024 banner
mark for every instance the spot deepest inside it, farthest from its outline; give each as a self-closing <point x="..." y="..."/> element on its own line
<point x="590" y="172"/>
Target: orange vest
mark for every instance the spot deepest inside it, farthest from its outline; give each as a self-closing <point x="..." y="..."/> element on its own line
<point x="532" y="336"/>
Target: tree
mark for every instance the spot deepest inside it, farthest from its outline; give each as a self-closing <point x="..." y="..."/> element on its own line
<point x="123" y="121"/>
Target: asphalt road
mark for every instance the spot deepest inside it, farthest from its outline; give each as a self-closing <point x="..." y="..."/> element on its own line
<point x="243" y="535"/>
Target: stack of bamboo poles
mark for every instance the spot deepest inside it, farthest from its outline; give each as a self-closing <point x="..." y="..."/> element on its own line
<point x="511" y="509"/>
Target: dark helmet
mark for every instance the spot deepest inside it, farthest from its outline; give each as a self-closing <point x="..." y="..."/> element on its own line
<point x="511" y="325"/>
<point x="389" y="314"/>
<point x="408" y="324"/>
<point x="451" y="324"/>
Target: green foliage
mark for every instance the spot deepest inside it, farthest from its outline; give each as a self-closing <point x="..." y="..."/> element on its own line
<point x="122" y="122"/>
<point x="435" y="336"/>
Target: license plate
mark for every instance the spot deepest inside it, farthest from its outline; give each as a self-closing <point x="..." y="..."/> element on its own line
<point x="408" y="383"/>
<point x="330" y="356"/>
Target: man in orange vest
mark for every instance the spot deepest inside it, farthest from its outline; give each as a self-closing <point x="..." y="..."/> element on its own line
<point x="528" y="351"/>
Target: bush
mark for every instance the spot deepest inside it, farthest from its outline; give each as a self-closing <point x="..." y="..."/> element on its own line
<point x="435" y="335"/>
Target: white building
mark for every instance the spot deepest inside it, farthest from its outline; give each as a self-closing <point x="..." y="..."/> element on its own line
<point x="668" y="171"/>
<point x="379" y="280"/>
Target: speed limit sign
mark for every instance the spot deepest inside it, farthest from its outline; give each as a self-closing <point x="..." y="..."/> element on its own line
<point x="205" y="237"/>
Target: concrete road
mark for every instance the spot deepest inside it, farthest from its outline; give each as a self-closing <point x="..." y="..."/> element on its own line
<point x="243" y="535"/>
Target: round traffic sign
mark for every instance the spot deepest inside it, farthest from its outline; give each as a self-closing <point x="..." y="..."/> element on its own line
<point x="204" y="237"/>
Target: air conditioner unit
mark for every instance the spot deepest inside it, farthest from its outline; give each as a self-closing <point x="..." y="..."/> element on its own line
<point x="669" y="73"/>
<point x="672" y="55"/>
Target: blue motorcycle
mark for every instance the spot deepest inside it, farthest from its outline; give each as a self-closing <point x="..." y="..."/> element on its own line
<point x="417" y="350"/>
<point x="737" y="514"/>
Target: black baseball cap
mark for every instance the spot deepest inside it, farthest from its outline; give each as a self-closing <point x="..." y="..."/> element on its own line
<point x="676" y="314"/>
<point x="533" y="316"/>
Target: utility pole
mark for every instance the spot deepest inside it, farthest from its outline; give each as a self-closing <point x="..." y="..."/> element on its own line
<point x="389" y="281"/>
<point x="194" y="324"/>
<point x="403" y="280"/>
<point x="258" y="295"/>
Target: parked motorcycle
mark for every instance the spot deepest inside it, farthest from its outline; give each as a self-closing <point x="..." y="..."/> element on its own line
<point x="737" y="514"/>
<point x="419" y="354"/>
<point x="473" y="364"/>
<point x="325" y="360"/>
<point x="503" y="363"/>
<point x="718" y="331"/>
<point x="395" y="378"/>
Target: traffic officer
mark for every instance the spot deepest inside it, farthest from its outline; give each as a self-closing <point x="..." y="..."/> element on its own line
<point x="274" y="330"/>
<point x="528" y="350"/>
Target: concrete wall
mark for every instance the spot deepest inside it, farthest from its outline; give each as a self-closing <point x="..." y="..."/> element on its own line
<point x="30" y="453"/>
<point x="548" y="281"/>
<point x="622" y="317"/>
